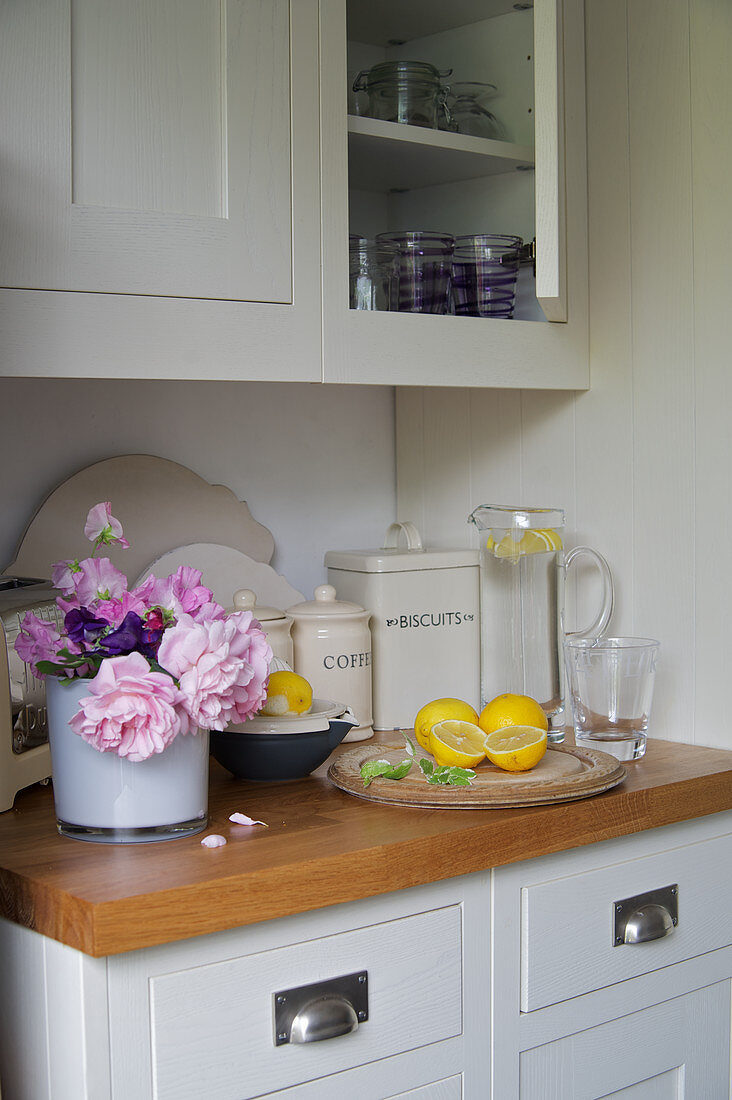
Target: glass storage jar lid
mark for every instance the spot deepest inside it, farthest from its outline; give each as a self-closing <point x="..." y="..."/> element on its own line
<point x="399" y="73"/>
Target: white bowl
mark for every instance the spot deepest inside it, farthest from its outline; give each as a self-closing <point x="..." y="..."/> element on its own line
<point x="317" y="719"/>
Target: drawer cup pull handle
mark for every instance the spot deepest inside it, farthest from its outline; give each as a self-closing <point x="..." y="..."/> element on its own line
<point x="325" y="1018"/>
<point x="321" y="1010"/>
<point x="652" y="922"/>
<point x="645" y="917"/>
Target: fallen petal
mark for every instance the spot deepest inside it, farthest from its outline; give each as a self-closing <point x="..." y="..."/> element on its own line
<point x="242" y="819"/>
<point x="213" y="840"/>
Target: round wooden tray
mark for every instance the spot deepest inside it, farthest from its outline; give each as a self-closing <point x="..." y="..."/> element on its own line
<point x="565" y="774"/>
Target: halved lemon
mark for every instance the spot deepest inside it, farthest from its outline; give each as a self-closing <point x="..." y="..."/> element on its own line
<point x="515" y="748"/>
<point x="439" y="710"/>
<point x="287" y="693"/>
<point x="542" y="541"/>
<point x="457" y="744"/>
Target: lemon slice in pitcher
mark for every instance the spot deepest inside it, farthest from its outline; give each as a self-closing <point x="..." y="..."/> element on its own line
<point x="543" y="541"/>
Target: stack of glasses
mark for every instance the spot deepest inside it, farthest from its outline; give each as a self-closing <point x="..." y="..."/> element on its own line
<point x="419" y="272"/>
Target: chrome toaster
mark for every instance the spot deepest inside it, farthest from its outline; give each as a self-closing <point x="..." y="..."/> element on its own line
<point x="25" y="757"/>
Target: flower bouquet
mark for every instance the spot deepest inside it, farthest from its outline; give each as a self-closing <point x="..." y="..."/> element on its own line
<point x="135" y="679"/>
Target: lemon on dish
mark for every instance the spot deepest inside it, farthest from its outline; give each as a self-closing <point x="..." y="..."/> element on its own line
<point x="516" y="748"/>
<point x="457" y="744"/>
<point x="438" y="711"/>
<point x="512" y="710"/>
<point x="287" y="693"/>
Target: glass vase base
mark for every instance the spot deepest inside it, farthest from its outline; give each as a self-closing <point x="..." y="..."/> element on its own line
<point x="145" y="834"/>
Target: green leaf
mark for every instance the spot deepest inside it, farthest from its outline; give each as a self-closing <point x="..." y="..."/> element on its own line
<point x="427" y="767"/>
<point x="411" y="747"/>
<point x="447" y="776"/>
<point x="384" y="768"/>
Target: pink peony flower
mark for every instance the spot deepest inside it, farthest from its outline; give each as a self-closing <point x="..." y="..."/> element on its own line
<point x="130" y="710"/>
<point x="102" y="527"/>
<point x="221" y="665"/>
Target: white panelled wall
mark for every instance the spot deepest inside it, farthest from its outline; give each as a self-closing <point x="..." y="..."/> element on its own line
<point x="641" y="462"/>
<point x="314" y="463"/>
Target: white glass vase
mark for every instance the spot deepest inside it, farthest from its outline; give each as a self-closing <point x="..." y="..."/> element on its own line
<point x="102" y="797"/>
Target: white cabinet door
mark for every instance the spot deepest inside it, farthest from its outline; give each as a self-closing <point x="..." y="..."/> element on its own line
<point x="674" y="1050"/>
<point x="383" y="176"/>
<point x="160" y="163"/>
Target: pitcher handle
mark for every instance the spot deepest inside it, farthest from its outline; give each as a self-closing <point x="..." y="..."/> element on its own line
<point x="412" y="535"/>
<point x="599" y="626"/>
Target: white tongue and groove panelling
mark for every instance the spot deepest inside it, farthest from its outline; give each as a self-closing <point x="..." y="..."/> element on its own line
<point x="641" y="461"/>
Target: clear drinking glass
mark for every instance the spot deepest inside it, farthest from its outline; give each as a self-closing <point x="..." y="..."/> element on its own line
<point x="424" y="269"/>
<point x="484" y="272"/>
<point x="373" y="271"/>
<point x="523" y="567"/>
<point x="610" y="683"/>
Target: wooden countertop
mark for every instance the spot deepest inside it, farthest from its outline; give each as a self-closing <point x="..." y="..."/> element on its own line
<point x="322" y="847"/>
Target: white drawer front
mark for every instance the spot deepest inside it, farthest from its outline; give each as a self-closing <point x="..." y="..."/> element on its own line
<point x="212" y="1026"/>
<point x="567" y="926"/>
<point x="449" y="1089"/>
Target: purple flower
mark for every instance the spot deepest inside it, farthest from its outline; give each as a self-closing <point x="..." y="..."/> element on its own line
<point x="37" y="641"/>
<point x="127" y="638"/>
<point x="82" y="626"/>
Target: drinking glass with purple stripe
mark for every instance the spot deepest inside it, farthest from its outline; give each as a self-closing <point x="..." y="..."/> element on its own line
<point x="424" y="270"/>
<point x="484" y="272"/>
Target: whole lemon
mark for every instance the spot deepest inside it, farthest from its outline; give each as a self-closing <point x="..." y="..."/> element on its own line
<point x="439" y="710"/>
<point x="512" y="710"/>
<point x="287" y="693"/>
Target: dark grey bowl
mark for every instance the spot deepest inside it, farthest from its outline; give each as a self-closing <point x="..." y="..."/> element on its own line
<point x="277" y="756"/>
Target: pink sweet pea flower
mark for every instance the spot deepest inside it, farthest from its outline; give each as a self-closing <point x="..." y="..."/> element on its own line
<point x="102" y="527"/>
<point x="63" y="576"/>
<point x="183" y="594"/>
<point x="114" y="610"/>
<point x="98" y="580"/>
<point x="221" y="665"/>
<point x="37" y="641"/>
<point x="130" y="710"/>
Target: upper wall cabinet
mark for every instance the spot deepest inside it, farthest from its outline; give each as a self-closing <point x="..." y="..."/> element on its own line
<point x="515" y="167"/>
<point x="160" y="202"/>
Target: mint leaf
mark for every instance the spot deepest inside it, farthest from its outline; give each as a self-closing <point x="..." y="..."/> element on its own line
<point x="449" y="776"/>
<point x="384" y="768"/>
<point x="427" y="767"/>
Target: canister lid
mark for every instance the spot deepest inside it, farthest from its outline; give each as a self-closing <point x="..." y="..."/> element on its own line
<point x="246" y="600"/>
<point x="325" y="603"/>
<point x="398" y="560"/>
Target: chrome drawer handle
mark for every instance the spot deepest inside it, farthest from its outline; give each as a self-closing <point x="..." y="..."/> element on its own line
<point x="321" y="1010"/>
<point x="651" y="922"/>
<point x="646" y="917"/>
<point x="324" y="1018"/>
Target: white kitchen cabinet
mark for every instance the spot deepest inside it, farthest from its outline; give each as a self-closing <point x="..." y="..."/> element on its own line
<point x="160" y="197"/>
<point x="676" y="1050"/>
<point x="380" y="176"/>
<point x="582" y="1016"/>
<point x="449" y="965"/>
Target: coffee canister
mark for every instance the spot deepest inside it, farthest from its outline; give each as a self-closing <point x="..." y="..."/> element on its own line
<point x="332" y="647"/>
<point x="275" y="623"/>
<point x="425" y="624"/>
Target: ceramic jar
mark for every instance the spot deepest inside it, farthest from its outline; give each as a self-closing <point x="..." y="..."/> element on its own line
<point x="332" y="647"/>
<point x="275" y="624"/>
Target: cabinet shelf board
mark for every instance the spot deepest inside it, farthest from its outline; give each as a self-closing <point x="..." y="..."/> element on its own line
<point x="382" y="22"/>
<point x="385" y="156"/>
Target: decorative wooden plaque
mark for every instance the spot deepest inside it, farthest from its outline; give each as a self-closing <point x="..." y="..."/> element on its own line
<point x="565" y="774"/>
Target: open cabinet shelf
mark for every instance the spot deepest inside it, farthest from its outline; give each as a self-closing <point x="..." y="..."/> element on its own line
<point x="387" y="156"/>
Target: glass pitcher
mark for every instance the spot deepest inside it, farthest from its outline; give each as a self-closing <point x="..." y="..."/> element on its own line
<point x="523" y="568"/>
